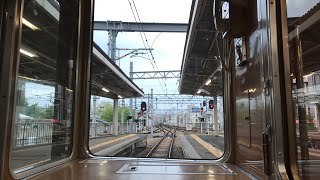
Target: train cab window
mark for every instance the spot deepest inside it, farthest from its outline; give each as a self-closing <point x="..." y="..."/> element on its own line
<point x="305" y="75"/>
<point x="43" y="117"/>
<point x="139" y="106"/>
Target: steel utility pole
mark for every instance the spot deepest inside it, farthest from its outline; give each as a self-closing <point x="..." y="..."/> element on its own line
<point x="130" y="101"/>
<point x="152" y="112"/>
<point x="113" y="44"/>
<point x="177" y="114"/>
<point x="148" y="111"/>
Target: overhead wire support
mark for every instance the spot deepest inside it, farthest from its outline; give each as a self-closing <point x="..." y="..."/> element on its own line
<point x="155" y="74"/>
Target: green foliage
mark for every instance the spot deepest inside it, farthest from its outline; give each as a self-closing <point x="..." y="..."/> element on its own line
<point x="35" y="111"/>
<point x="106" y="113"/>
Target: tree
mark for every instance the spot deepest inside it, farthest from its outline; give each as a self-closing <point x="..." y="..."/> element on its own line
<point x="106" y="112"/>
<point x="37" y="112"/>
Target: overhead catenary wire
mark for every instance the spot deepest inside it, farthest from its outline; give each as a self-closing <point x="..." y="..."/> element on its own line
<point x="140" y="28"/>
<point x="148" y="43"/>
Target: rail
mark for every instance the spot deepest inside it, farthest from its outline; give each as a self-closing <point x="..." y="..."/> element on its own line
<point x="171" y="144"/>
<point x="158" y="143"/>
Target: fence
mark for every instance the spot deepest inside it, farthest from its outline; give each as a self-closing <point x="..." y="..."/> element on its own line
<point x="101" y="129"/>
<point x="36" y="133"/>
<point x="32" y="133"/>
<point x="201" y="127"/>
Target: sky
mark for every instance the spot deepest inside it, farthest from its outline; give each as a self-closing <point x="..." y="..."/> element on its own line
<point x="168" y="47"/>
<point x="297" y="8"/>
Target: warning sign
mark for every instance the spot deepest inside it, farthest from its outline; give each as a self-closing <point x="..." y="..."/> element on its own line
<point x="188" y="127"/>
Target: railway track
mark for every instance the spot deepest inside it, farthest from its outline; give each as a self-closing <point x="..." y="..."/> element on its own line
<point x="164" y="147"/>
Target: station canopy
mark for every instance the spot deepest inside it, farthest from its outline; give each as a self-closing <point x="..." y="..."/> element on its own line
<point x="201" y="59"/>
<point x="45" y="66"/>
<point x="308" y="28"/>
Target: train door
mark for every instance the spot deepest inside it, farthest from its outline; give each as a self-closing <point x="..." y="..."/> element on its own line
<point x="1" y="59"/>
<point x="259" y="87"/>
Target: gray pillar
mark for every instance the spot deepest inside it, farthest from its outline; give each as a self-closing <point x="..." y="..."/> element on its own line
<point x="94" y="109"/>
<point x="122" y="116"/>
<point x="135" y="109"/>
<point x="303" y="126"/>
<point x="216" y="122"/>
<point x="115" y="117"/>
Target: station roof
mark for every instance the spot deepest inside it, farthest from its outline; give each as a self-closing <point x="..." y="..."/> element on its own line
<point x="43" y="68"/>
<point x="308" y="28"/>
<point x="106" y="74"/>
<point x="201" y="59"/>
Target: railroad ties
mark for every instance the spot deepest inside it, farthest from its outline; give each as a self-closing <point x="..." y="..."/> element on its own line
<point x="164" y="147"/>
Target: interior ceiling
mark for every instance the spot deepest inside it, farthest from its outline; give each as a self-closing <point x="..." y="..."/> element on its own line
<point x="44" y="43"/>
<point x="202" y="56"/>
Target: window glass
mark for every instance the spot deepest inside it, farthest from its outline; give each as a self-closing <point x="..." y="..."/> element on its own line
<point x="305" y="76"/>
<point x="43" y="121"/>
<point x="124" y="123"/>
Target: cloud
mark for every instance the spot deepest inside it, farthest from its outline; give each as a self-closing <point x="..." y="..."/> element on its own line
<point x="149" y="10"/>
<point x="168" y="47"/>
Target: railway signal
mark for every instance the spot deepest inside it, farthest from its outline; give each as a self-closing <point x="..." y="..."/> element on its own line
<point x="143" y="106"/>
<point x="201" y="110"/>
<point x="211" y="106"/>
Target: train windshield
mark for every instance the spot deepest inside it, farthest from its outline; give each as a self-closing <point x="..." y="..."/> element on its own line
<point x="149" y="96"/>
<point x="142" y="104"/>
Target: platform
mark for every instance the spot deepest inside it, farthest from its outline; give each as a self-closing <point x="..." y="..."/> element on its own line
<point x="201" y="146"/>
<point x="110" y="146"/>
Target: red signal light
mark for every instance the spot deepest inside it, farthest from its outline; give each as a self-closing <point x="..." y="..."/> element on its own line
<point x="211" y="104"/>
<point x="143" y="106"/>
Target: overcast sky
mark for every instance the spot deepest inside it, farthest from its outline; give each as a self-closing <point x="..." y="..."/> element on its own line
<point x="297" y="8"/>
<point x="168" y="47"/>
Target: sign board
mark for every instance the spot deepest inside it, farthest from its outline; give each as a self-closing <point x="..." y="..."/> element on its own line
<point x="195" y="110"/>
<point x="188" y="127"/>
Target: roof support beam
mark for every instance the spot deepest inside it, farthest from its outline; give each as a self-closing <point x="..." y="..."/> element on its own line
<point x="155" y="74"/>
<point x="305" y="25"/>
